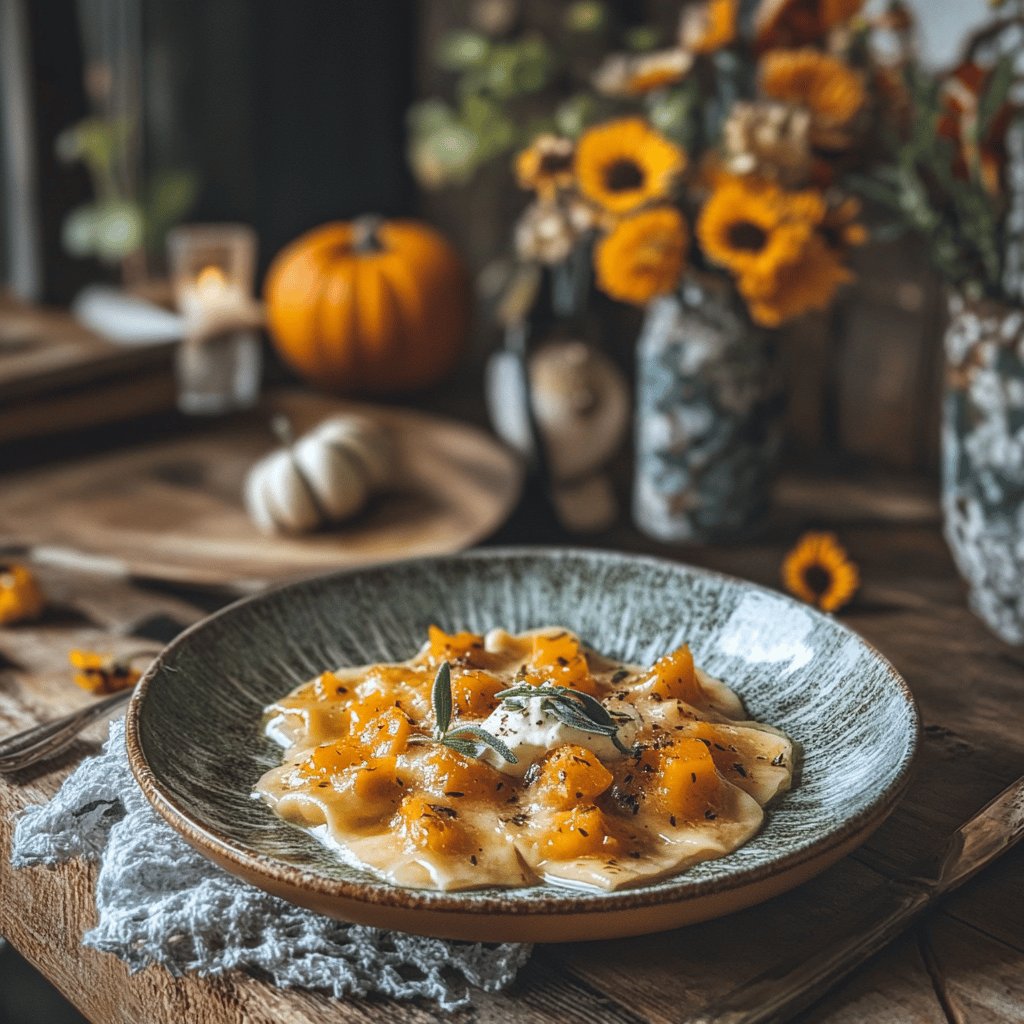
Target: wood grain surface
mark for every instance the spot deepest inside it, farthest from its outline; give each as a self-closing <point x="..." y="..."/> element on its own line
<point x="172" y="508"/>
<point x="964" y="963"/>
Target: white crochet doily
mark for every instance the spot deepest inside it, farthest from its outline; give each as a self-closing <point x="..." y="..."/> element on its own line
<point x="161" y="902"/>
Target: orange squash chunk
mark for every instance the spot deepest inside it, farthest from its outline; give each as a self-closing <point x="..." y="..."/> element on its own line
<point x="327" y="686"/>
<point x="361" y="712"/>
<point x="447" y="773"/>
<point x="675" y="677"/>
<point x="331" y="759"/>
<point x="452" y="646"/>
<point x="434" y="827"/>
<point x="559" y="660"/>
<point x="581" y="832"/>
<point x="376" y="780"/>
<point x="686" y="781"/>
<point x="571" y="775"/>
<point x="386" y="734"/>
<point x="473" y="693"/>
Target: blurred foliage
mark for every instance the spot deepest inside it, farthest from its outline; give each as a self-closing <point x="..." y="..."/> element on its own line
<point x="118" y="224"/>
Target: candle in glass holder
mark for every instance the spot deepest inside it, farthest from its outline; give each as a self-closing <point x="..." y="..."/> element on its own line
<point x="219" y="361"/>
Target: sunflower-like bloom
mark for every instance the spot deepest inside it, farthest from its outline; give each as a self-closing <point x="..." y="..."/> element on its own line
<point x="799" y="22"/>
<point x="625" y="164"/>
<point x="708" y="26"/>
<point x="638" y="74"/>
<point x="807" y="283"/>
<point x="546" y="164"/>
<point x="770" y="139"/>
<point x="102" y="673"/>
<point x="819" y="571"/>
<point x="754" y="227"/>
<point x="826" y="86"/>
<point x="643" y="256"/>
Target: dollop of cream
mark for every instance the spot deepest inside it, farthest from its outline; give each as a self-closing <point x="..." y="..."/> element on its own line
<point x="531" y="731"/>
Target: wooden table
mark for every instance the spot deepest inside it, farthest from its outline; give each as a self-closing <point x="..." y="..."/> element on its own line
<point x="964" y="963"/>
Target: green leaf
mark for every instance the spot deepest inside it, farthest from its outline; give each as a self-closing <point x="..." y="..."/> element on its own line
<point x="441" y="698"/>
<point x="171" y="194"/>
<point x="482" y="736"/>
<point x="995" y="95"/>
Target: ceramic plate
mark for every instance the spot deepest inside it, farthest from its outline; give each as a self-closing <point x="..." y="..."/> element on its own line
<point x="196" y="747"/>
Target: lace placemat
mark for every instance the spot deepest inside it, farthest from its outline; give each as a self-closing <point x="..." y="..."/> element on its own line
<point x="161" y="902"/>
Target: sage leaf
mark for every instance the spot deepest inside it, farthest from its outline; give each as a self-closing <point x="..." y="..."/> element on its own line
<point x="441" y="698"/>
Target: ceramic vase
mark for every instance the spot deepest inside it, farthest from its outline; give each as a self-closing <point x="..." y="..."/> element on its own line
<point x="708" y="417"/>
<point x="983" y="458"/>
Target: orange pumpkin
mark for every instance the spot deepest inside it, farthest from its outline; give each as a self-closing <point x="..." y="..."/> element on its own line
<point x="372" y="306"/>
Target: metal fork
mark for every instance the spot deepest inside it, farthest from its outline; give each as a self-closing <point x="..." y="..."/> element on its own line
<point x="25" y="749"/>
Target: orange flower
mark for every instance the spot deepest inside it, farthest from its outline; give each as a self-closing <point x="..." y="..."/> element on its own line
<point x="819" y="571"/>
<point x="751" y="226"/>
<point x="799" y="22"/>
<point x="840" y="229"/>
<point x="643" y="256"/>
<point x="625" y="164"/>
<point x="830" y="89"/>
<point x="960" y="94"/>
<point x="21" y="597"/>
<point x="708" y="26"/>
<point x="806" y="283"/>
<point x="102" y="673"/>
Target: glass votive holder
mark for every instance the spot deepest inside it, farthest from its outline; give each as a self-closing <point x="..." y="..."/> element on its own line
<point x="219" y="361"/>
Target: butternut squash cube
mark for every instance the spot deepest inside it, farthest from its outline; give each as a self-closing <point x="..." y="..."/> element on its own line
<point x="452" y="646"/>
<point x="675" y="677"/>
<point x="572" y="775"/>
<point x="581" y="832"/>
<point x="687" y="781"/>
<point x="386" y="734"/>
<point x="434" y="827"/>
<point x="331" y="759"/>
<point x="447" y="773"/>
<point x="473" y="693"/>
<point x="558" y="659"/>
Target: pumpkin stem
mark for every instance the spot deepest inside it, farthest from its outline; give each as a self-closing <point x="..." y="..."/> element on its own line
<point x="366" y="233"/>
<point x="281" y="425"/>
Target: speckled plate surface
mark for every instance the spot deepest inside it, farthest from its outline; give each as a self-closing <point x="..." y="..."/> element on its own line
<point x="196" y="747"/>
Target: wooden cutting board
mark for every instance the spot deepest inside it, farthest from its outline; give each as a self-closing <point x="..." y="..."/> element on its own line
<point x="172" y="509"/>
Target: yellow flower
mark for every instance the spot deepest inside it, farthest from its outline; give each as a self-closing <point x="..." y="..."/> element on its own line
<point x="708" y="26"/>
<point x="638" y="74"/>
<point x="21" y="597"/>
<point x="643" y="256"/>
<point x="819" y="571"/>
<point x="830" y="89"/>
<point x="546" y="164"/>
<point x="751" y="226"/>
<point x="102" y="673"/>
<point x="625" y="164"/>
<point x="795" y="287"/>
<point x="799" y="22"/>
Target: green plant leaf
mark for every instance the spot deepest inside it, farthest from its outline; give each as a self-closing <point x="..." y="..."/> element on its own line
<point x="457" y="735"/>
<point x="997" y="90"/>
<point x="441" y="698"/>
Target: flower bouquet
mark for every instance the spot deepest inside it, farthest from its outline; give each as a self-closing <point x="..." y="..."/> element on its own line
<point x="709" y="190"/>
<point x="955" y="176"/>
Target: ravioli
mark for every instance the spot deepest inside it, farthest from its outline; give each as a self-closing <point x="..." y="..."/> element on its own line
<point x="588" y="772"/>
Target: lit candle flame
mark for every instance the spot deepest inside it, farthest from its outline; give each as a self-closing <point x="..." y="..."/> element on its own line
<point x="211" y="281"/>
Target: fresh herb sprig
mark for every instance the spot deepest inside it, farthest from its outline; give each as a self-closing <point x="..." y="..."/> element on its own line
<point x="573" y="708"/>
<point x="468" y="740"/>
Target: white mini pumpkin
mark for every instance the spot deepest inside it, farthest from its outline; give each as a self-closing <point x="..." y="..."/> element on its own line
<point x="324" y="477"/>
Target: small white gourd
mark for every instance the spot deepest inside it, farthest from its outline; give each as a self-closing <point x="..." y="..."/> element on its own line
<point x="322" y="478"/>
